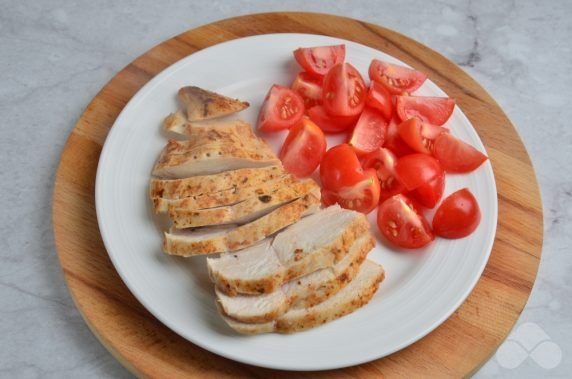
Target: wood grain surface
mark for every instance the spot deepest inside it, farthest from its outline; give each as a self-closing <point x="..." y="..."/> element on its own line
<point x="457" y="348"/>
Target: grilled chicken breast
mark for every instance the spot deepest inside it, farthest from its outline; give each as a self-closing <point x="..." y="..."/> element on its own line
<point x="315" y="242"/>
<point x="178" y="123"/>
<point x="201" y="104"/>
<point x="306" y="291"/>
<point x="354" y="295"/>
<point x="199" y="241"/>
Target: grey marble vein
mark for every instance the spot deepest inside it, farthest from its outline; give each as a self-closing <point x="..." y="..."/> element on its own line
<point x="55" y="55"/>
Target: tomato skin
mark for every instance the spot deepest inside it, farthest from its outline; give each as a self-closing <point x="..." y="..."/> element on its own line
<point x="331" y="124"/>
<point x="394" y="142"/>
<point x="309" y="87"/>
<point x="369" y="132"/>
<point x="282" y="109"/>
<point x="433" y="110"/>
<point x="414" y="170"/>
<point x="317" y="61"/>
<point x="457" y="216"/>
<point x="378" y="97"/>
<point x="418" y="135"/>
<point x="429" y="194"/>
<point x="456" y="155"/>
<point x="303" y="148"/>
<point x="396" y="79"/>
<point x="402" y="224"/>
<point x="344" y="91"/>
<point x="383" y="162"/>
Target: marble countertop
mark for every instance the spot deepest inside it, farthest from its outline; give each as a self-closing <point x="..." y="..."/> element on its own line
<point x="56" y="55"/>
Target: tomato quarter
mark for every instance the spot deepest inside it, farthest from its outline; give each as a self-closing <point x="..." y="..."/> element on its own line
<point x="456" y="155"/>
<point x="414" y="170"/>
<point x="378" y="97"/>
<point x="344" y="91"/>
<point x="369" y="132"/>
<point x="309" y="87"/>
<point x="394" y="142"/>
<point x="457" y="216"/>
<point x="402" y="224"/>
<point x="282" y="108"/>
<point x="317" y="61"/>
<point x="420" y="136"/>
<point x="331" y="124"/>
<point x="433" y="110"/>
<point x="303" y="148"/>
<point x="397" y="79"/>
<point x="383" y="162"/>
<point x="429" y="194"/>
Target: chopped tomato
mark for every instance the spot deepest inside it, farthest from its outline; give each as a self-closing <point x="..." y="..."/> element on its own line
<point x="399" y="220"/>
<point x="457" y="216"/>
<point x="429" y="194"/>
<point x="331" y="124"/>
<point x="379" y="98"/>
<point x="414" y="170"/>
<point x="282" y="108"/>
<point x="419" y="135"/>
<point x="317" y="61"/>
<point x="309" y="87"/>
<point x="456" y="155"/>
<point x="383" y="162"/>
<point x="433" y="110"/>
<point x="303" y="148"/>
<point x="369" y="132"/>
<point x="394" y="142"/>
<point x="397" y="79"/>
<point x="344" y="181"/>
<point x="344" y="91"/>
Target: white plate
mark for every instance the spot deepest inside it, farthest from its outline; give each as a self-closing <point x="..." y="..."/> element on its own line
<point x="421" y="290"/>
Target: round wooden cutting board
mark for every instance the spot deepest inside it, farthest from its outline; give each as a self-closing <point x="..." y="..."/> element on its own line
<point x="457" y="348"/>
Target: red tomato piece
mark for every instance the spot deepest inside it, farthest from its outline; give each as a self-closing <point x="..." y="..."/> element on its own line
<point x="429" y="194"/>
<point x="303" y="148"/>
<point x="402" y="224"/>
<point x="309" y="87"/>
<point x="331" y="124"/>
<point x="397" y="79"/>
<point x="456" y="155"/>
<point x="457" y="216"/>
<point x="344" y="91"/>
<point x="433" y="110"/>
<point x="282" y="109"/>
<point x="378" y="97"/>
<point x="383" y="162"/>
<point x="369" y="132"/>
<point x="362" y="196"/>
<point x="414" y="170"/>
<point x="420" y="136"/>
<point x="394" y="142"/>
<point x="317" y="61"/>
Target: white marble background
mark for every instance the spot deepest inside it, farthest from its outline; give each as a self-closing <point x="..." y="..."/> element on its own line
<point x="55" y="55"/>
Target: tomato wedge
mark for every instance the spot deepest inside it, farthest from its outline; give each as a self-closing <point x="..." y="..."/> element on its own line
<point x="379" y="98"/>
<point x="369" y="132"/>
<point x="317" y="61"/>
<point x="456" y="155"/>
<point x="309" y="87"/>
<point x="303" y="148"/>
<point x="429" y="194"/>
<point x="402" y="224"/>
<point x="344" y="91"/>
<point x="331" y="124"/>
<point x="414" y="170"/>
<point x="394" y="142"/>
<point x="383" y="162"/>
<point x="345" y="182"/>
<point x="420" y="136"/>
<point x="433" y="110"/>
<point x="397" y="79"/>
<point x="457" y="216"/>
<point x="282" y="108"/>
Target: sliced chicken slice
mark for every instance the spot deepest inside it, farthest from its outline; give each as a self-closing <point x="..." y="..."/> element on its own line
<point x="245" y="211"/>
<point x="315" y="242"/>
<point x="303" y="292"/>
<point x="201" y="104"/>
<point x="207" y="184"/>
<point x="350" y="298"/>
<point x="182" y="159"/>
<point x="178" y="123"/>
<point x="226" y="197"/>
<point x="189" y="242"/>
